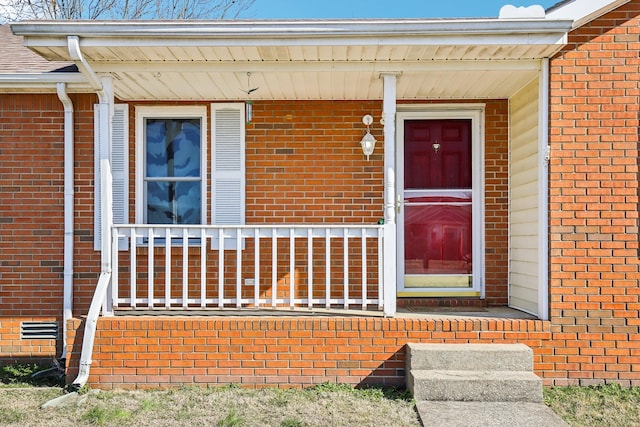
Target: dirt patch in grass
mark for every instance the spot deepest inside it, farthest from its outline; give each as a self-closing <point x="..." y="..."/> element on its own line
<point x="325" y="405"/>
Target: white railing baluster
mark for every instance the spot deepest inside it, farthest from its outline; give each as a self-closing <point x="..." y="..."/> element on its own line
<point x="310" y="268"/>
<point x="133" y="268"/>
<point x="364" y="269"/>
<point x="185" y="268"/>
<point x="292" y="267"/>
<point x="346" y="269"/>
<point x="380" y="270"/>
<point x="220" y="268"/>
<point x="238" y="268"/>
<point x="256" y="267"/>
<point x="150" y="269"/>
<point x="327" y="268"/>
<point x="203" y="268"/>
<point x="274" y="267"/>
<point x="114" y="267"/>
<point x="167" y="268"/>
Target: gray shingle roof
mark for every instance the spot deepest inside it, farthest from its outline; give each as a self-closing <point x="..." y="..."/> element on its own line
<point x="16" y="58"/>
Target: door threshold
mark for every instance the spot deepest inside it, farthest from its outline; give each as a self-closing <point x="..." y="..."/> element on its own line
<point x="436" y="294"/>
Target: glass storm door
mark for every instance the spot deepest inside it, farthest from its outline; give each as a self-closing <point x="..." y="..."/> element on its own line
<point x="438" y="204"/>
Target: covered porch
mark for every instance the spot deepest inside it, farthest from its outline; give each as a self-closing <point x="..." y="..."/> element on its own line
<point x="258" y="255"/>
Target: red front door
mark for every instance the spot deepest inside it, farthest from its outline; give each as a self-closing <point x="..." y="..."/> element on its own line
<point x="437" y="203"/>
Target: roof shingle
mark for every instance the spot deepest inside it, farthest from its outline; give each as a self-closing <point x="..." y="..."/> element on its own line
<point x="15" y="58"/>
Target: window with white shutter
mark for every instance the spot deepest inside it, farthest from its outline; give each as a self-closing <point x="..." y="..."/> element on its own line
<point x="171" y="167"/>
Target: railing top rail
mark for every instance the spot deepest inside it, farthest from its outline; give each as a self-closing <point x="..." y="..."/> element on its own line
<point x="250" y="226"/>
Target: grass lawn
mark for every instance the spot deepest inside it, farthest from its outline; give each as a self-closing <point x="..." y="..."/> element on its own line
<point x="323" y="405"/>
<point x="609" y="405"/>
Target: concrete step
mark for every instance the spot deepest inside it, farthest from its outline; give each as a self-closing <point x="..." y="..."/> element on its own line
<point x="488" y="414"/>
<point x="471" y="357"/>
<point x="479" y="386"/>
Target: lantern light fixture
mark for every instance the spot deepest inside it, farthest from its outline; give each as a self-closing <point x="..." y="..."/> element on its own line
<point x="368" y="142"/>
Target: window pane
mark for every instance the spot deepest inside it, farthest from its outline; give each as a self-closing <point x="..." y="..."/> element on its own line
<point x="173" y="202"/>
<point x="438" y="236"/>
<point x="173" y="147"/>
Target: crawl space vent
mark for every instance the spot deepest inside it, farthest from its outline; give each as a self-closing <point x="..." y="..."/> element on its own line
<point x="38" y="330"/>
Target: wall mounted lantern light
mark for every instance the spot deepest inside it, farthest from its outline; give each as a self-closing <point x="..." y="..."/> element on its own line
<point x="368" y="142"/>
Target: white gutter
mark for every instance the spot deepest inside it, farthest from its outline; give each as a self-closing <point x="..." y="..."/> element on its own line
<point x="134" y="31"/>
<point x="67" y="309"/>
<point x="43" y="82"/>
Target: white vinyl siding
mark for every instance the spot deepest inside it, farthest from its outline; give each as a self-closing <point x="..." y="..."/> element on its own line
<point x="524" y="200"/>
<point x="118" y="154"/>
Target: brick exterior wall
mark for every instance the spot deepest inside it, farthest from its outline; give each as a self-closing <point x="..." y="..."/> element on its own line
<point x="594" y="185"/>
<point x="31" y="220"/>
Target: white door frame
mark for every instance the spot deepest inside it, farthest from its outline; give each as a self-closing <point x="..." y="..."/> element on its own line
<point x="474" y="112"/>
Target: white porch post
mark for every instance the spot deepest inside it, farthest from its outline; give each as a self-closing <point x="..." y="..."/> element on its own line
<point x="105" y="115"/>
<point x="389" y="116"/>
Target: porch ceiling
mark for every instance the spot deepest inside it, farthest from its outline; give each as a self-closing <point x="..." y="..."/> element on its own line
<point x="436" y="59"/>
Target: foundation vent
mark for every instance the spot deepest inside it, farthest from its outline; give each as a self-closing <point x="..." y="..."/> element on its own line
<point x="38" y="330"/>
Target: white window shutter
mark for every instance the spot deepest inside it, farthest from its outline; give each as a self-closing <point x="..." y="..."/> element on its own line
<point x="228" y="166"/>
<point x="120" y="167"/>
<point x="119" y="159"/>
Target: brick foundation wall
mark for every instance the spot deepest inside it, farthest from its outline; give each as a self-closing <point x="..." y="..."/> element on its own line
<point x="148" y="352"/>
<point x="594" y="97"/>
<point x="15" y="350"/>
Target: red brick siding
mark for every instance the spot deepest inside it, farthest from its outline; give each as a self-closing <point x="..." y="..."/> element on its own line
<point x="86" y="260"/>
<point x="31" y="220"/>
<point x="594" y="98"/>
<point x="31" y="214"/>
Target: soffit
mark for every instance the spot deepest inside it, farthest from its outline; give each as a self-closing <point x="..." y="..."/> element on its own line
<point x="308" y="60"/>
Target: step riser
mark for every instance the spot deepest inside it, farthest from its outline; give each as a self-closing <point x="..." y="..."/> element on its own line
<point x="519" y="389"/>
<point x="472" y="357"/>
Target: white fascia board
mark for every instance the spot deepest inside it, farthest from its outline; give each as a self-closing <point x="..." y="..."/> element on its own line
<point x="583" y="11"/>
<point x="43" y="82"/>
<point x="453" y="39"/>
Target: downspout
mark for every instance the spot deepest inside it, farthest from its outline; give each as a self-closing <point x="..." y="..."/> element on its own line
<point x="73" y="44"/>
<point x="103" y="282"/>
<point x="67" y="309"/>
<point x="97" y="303"/>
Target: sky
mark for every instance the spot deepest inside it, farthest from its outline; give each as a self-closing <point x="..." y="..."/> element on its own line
<point x="327" y="9"/>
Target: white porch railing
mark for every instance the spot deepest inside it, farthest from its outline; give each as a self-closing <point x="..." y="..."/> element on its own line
<point x="257" y="266"/>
